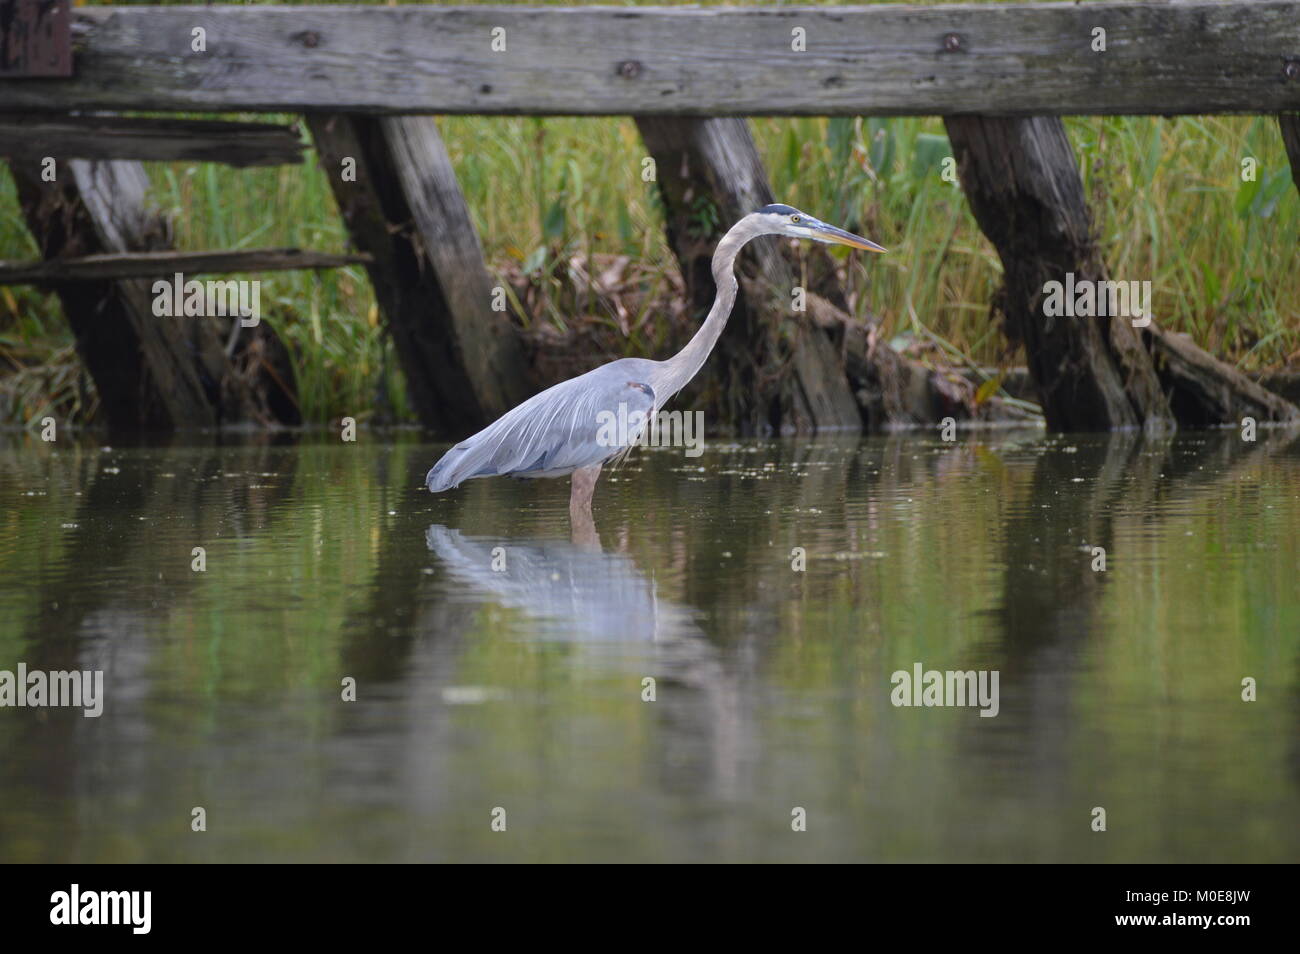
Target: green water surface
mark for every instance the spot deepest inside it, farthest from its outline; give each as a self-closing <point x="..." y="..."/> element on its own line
<point x="500" y="665"/>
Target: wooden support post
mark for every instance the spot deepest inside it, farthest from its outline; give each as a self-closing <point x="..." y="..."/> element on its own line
<point x="151" y="373"/>
<point x="398" y="194"/>
<point x="1024" y="188"/>
<point x="709" y="170"/>
<point x="1094" y="373"/>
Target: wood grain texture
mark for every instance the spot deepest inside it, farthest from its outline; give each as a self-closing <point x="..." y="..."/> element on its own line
<point x="141" y="366"/>
<point x="1091" y="373"/>
<point x="152" y="374"/>
<point x="31" y="138"/>
<point x="1023" y="185"/>
<point x="163" y="264"/>
<point x="463" y="362"/>
<point x="999" y="59"/>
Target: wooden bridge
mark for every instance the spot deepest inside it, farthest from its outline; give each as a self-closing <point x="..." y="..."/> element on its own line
<point x="368" y="78"/>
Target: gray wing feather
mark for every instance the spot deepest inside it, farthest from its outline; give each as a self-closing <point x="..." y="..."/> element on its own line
<point x="550" y="434"/>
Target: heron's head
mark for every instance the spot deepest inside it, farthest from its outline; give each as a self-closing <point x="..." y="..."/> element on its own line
<point x="785" y="220"/>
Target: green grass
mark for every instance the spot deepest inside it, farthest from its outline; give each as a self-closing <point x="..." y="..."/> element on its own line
<point x="1167" y="197"/>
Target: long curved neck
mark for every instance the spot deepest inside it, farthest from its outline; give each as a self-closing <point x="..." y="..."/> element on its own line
<point x="681" y="367"/>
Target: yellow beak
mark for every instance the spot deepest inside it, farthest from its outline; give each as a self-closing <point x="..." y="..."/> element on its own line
<point x="841" y="237"/>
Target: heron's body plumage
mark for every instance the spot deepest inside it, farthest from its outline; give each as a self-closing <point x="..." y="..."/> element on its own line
<point x="553" y="433"/>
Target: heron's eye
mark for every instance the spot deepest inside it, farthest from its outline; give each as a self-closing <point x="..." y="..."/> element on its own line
<point x="794" y="219"/>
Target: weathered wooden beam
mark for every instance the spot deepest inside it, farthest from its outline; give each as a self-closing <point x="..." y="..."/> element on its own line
<point x="1008" y="59"/>
<point x="714" y="163"/>
<point x="151" y="373"/>
<point x="1092" y="373"/>
<point x="163" y="264"/>
<point x="398" y="194"/>
<point x="35" y="38"/>
<point x="33" y="137"/>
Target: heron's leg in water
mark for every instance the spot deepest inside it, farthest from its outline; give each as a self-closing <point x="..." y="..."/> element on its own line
<point x="583" y="533"/>
<point x="583" y="487"/>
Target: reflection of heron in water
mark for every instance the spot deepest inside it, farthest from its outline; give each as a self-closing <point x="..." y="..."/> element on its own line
<point x="563" y="430"/>
<point x="575" y="591"/>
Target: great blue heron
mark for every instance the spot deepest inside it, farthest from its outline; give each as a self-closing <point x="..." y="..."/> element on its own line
<point x="560" y="431"/>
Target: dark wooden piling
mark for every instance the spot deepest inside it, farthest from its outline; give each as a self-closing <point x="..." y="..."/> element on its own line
<point x="462" y="360"/>
<point x="1091" y="373"/>
<point x="151" y="373"/>
<point x="1024" y="188"/>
